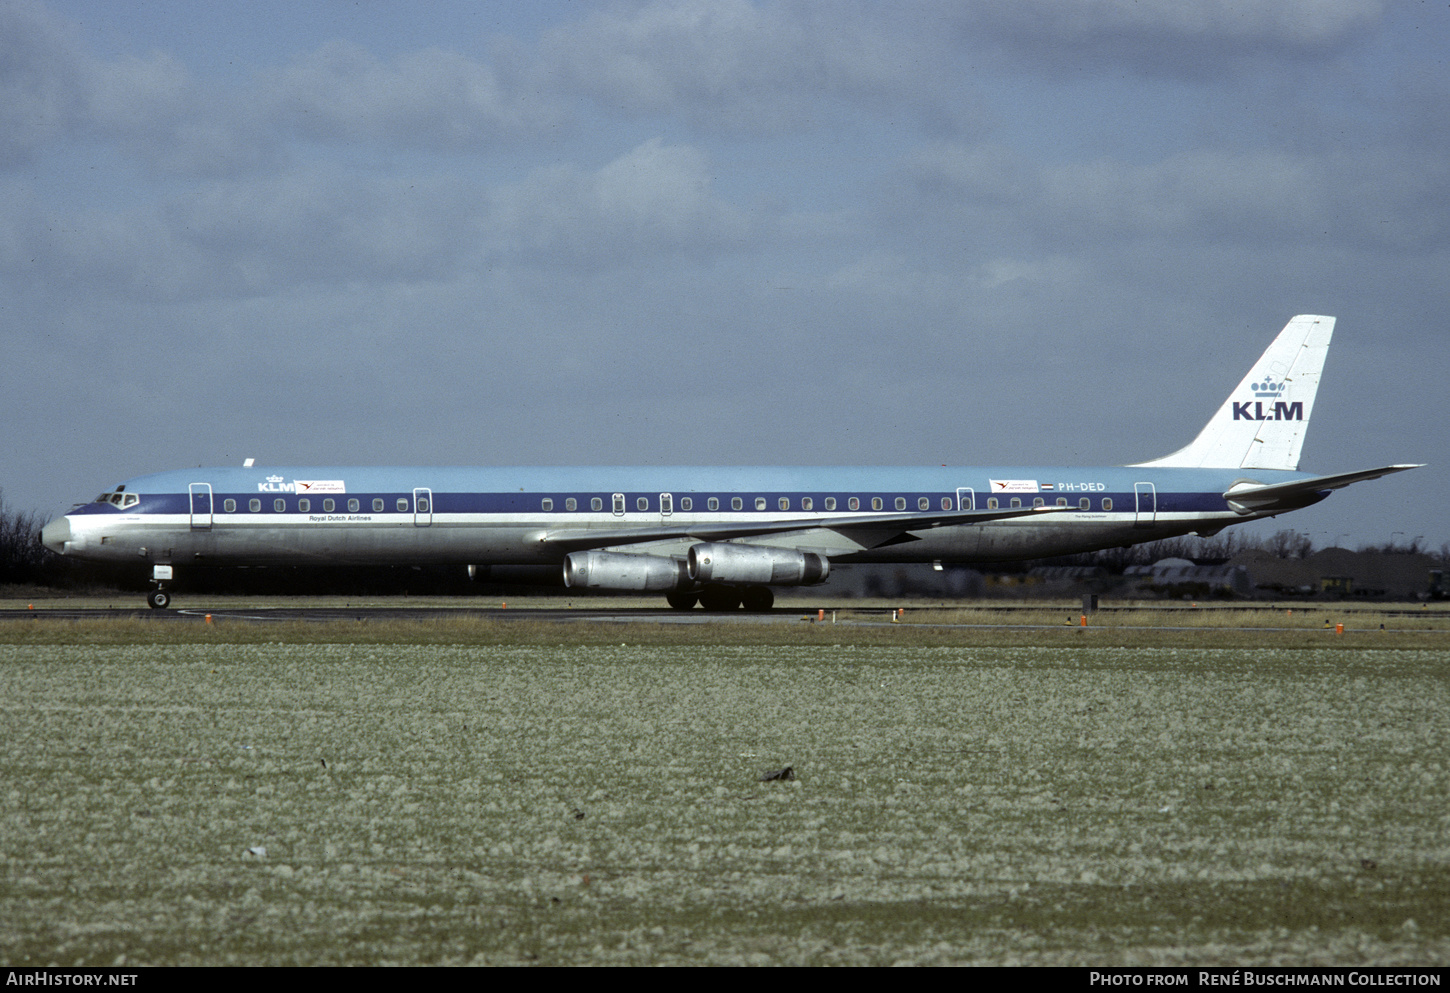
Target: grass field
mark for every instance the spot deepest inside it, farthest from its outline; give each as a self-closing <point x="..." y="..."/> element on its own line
<point x="320" y="794"/>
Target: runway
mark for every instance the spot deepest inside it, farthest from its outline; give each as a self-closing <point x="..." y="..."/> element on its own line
<point x="1256" y="617"/>
<point x="658" y="615"/>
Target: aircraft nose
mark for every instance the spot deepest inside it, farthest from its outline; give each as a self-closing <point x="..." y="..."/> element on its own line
<point x="55" y="534"/>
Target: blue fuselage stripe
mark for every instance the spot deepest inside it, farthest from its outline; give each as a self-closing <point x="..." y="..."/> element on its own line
<point x="485" y="504"/>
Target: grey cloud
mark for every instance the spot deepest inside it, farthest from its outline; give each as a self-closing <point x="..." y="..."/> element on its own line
<point x="1371" y="200"/>
<point x="41" y="87"/>
<point x="752" y="68"/>
<point x="53" y="91"/>
<point x="1173" y="38"/>
<point x="322" y="226"/>
<point x="655" y="198"/>
<point x="429" y="99"/>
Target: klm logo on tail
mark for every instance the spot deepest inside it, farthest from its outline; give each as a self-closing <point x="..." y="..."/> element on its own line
<point x="1266" y="430"/>
<point x="1281" y="412"/>
<point x="1253" y="410"/>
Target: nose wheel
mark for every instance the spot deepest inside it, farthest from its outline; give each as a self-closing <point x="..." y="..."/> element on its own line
<point x="159" y="599"/>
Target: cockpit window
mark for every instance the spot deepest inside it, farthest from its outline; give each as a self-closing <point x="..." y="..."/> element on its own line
<point x="119" y="499"/>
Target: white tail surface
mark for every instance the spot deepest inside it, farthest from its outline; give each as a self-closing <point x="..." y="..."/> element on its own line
<point x="1262" y="423"/>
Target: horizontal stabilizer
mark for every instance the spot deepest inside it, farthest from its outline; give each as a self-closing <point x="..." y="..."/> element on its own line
<point x="1249" y="497"/>
<point x="887" y="526"/>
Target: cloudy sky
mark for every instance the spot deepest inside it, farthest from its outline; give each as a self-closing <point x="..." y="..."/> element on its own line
<point x="961" y="232"/>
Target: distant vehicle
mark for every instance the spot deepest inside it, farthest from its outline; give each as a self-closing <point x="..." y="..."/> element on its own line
<point x="722" y="536"/>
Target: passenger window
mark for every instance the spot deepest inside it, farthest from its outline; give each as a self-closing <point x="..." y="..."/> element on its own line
<point x="1038" y="502"/>
<point x="548" y="503"/>
<point x="686" y="503"/>
<point x="402" y="505"/>
<point x="304" y="505"/>
<point x="713" y="503"/>
<point x="1062" y="501"/>
<point x="1084" y="504"/>
<point x="807" y="503"/>
<point x="254" y="505"/>
<point x="785" y="503"/>
<point x="619" y="503"/>
<point x="923" y="503"/>
<point x="830" y="503"/>
<point x="571" y="504"/>
<point x="760" y="503"/>
<point x="1107" y="503"/>
<point x="352" y="506"/>
<point x="854" y="503"/>
<point x="901" y="503"/>
<point x="1016" y="502"/>
<point x="329" y="505"/>
<point x="596" y="503"/>
<point x="642" y="503"/>
<point x="991" y="503"/>
<point x="736" y="503"/>
<point x="875" y="503"/>
<point x="230" y="505"/>
<point x="946" y="503"/>
<point x="279" y="505"/>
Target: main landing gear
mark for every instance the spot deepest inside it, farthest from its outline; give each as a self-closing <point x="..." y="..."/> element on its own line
<point x="714" y="597"/>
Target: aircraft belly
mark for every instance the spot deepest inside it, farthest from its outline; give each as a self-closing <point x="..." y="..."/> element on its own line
<point x="1008" y="541"/>
<point x="385" y="545"/>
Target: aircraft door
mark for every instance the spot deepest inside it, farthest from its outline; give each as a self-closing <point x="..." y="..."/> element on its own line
<point x="1145" y="498"/>
<point x="422" y="507"/>
<point x="200" y="494"/>
<point x="966" y="498"/>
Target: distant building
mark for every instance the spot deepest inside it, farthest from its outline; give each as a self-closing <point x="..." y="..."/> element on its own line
<point x="1182" y="577"/>
<point x="1338" y="572"/>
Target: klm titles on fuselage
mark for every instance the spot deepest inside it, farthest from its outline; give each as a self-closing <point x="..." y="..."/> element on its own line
<point x="274" y="484"/>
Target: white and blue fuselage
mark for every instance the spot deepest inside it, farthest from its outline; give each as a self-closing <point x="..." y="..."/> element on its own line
<point x="530" y="515"/>
<point x="723" y="535"/>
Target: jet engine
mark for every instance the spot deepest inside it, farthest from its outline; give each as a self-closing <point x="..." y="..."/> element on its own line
<point x="720" y="562"/>
<point x="617" y="571"/>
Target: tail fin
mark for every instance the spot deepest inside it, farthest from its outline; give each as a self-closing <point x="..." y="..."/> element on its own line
<point x="1262" y="423"/>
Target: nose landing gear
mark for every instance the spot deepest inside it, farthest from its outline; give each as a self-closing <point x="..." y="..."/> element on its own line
<point x="159" y="599"/>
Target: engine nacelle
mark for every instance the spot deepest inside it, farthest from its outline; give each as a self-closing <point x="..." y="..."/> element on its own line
<point x="719" y="562"/>
<point x="617" y="571"/>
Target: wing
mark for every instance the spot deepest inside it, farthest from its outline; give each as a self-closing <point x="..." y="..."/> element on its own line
<point x="868" y="531"/>
<point x="1256" y="497"/>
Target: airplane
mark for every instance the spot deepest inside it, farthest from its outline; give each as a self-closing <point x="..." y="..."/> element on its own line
<point x="722" y="536"/>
